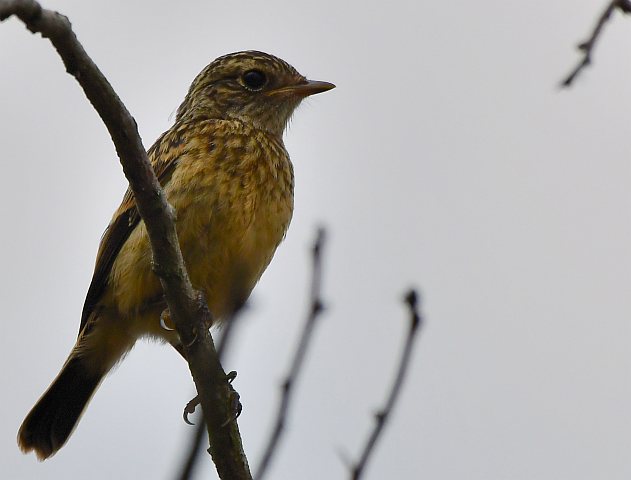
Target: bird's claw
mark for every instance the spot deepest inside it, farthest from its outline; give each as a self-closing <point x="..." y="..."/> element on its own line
<point x="190" y="408"/>
<point x="235" y="399"/>
<point x="165" y="320"/>
<point x="236" y="403"/>
<point x="190" y="344"/>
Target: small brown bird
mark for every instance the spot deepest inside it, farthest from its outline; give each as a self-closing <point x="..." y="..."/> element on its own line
<point x="225" y="170"/>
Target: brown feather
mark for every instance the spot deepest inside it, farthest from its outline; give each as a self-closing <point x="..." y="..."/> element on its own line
<point x="163" y="156"/>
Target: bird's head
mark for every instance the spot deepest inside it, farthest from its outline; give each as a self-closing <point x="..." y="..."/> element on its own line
<point x="253" y="87"/>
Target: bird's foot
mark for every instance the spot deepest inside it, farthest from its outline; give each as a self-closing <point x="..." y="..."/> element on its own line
<point x="235" y="406"/>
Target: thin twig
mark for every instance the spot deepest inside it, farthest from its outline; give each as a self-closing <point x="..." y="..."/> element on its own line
<point x="411" y="299"/>
<point x="190" y="462"/>
<point x="189" y="312"/>
<point x="587" y="46"/>
<point x="315" y="308"/>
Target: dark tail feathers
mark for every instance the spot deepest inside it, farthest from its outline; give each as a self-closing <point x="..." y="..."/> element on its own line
<point x="51" y="421"/>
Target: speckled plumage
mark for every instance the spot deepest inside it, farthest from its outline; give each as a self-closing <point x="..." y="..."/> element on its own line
<point x="225" y="170"/>
<point x="233" y="194"/>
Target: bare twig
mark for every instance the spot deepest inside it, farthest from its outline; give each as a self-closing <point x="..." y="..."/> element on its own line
<point x="188" y="466"/>
<point x="411" y="299"/>
<point x="587" y="46"/>
<point x="315" y="308"/>
<point x="188" y="311"/>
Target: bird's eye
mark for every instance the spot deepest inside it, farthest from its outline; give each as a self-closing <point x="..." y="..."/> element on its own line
<point x="254" y="79"/>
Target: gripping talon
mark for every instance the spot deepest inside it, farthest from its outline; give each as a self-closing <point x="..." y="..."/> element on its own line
<point x="190" y="344"/>
<point x="236" y="403"/>
<point x="190" y="408"/>
<point x="237" y="408"/>
<point x="164" y="317"/>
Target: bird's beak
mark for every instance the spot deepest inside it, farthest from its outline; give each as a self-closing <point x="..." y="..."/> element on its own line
<point x="304" y="89"/>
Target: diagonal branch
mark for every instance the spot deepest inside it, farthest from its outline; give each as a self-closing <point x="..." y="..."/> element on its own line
<point x="587" y="46"/>
<point x="315" y="309"/>
<point x="188" y="311"/>
<point x="381" y="418"/>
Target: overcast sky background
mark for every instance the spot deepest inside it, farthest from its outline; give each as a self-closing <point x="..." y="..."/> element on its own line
<point x="447" y="158"/>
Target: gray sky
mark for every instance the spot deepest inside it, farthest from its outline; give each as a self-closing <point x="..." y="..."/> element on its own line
<point x="446" y="158"/>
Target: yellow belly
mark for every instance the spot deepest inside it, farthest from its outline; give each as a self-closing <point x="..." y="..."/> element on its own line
<point x="233" y="207"/>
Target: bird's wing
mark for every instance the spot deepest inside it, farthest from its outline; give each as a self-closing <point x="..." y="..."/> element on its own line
<point x="163" y="155"/>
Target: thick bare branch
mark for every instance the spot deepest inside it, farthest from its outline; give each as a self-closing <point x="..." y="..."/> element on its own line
<point x="188" y="311"/>
<point x="587" y="46"/>
<point x="381" y="418"/>
<point x="315" y="308"/>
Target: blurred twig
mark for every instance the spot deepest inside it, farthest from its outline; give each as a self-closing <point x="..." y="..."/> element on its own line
<point x="411" y="299"/>
<point x="587" y="46"/>
<point x="315" y="308"/>
<point x="190" y="461"/>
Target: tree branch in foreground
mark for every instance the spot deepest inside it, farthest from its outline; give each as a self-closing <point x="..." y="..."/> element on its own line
<point x="411" y="299"/>
<point x="587" y="46"/>
<point x="315" y="309"/>
<point x="188" y="311"/>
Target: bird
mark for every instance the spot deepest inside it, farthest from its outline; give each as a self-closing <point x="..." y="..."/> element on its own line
<point x="224" y="169"/>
